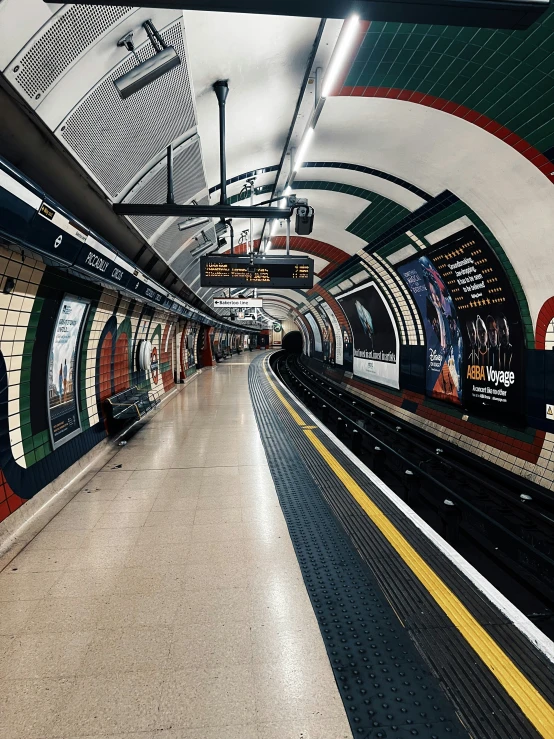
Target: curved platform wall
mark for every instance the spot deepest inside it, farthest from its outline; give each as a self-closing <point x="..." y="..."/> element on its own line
<point x="30" y="297"/>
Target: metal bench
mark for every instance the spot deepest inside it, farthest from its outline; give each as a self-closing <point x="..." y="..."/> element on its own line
<point x="128" y="405"/>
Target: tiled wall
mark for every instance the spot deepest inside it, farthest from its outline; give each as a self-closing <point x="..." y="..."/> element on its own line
<point x="106" y="365"/>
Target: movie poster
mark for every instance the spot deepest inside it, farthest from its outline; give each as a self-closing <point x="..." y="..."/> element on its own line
<point x="488" y="320"/>
<point x="62" y="371"/>
<point x="445" y="353"/>
<point x="376" y="346"/>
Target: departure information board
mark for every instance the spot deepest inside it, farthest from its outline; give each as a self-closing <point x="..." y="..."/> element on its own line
<point x="279" y="272"/>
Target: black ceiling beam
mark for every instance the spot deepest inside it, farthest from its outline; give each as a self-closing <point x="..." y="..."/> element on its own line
<point x="508" y="14"/>
<point x="203" y="211"/>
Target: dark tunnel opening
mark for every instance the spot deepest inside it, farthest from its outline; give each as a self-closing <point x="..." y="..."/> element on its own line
<point x="292" y="342"/>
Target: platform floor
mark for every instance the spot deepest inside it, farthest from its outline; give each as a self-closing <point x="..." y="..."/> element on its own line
<point x="166" y="600"/>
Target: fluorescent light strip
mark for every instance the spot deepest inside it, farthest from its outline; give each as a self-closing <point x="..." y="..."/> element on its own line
<point x="303" y="149"/>
<point x="340" y="54"/>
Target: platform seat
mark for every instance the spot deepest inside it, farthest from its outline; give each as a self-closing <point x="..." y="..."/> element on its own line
<point x="128" y="405"/>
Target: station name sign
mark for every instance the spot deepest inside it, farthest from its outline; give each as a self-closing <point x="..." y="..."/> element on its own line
<point x="278" y="272"/>
<point x="238" y="303"/>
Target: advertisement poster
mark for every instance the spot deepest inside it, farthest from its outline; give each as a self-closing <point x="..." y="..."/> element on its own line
<point x="337" y="331"/>
<point x="376" y="346"/>
<point x="488" y="325"/>
<point x="318" y="346"/>
<point x="444" y="371"/>
<point x="62" y="371"/>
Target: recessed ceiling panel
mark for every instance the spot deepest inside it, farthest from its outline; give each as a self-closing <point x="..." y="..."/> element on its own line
<point x="188" y="181"/>
<point x="58" y="45"/>
<point x="115" y="138"/>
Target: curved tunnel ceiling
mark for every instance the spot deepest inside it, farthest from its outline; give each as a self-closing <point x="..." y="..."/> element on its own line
<point x="427" y="127"/>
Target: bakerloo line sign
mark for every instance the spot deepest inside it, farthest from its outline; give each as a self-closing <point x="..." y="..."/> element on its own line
<point x="473" y="327"/>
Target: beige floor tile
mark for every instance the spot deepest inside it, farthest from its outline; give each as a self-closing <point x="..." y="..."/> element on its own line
<point x="15" y="615"/>
<point x="217" y="644"/>
<point x="208" y="516"/>
<point x="210" y="605"/>
<point x="160" y="555"/>
<point x="75" y="519"/>
<point x="227" y="550"/>
<point x="100" y="557"/>
<point x="221" y="473"/>
<point x="99" y="705"/>
<point x="213" y="574"/>
<point x="219" y="500"/>
<point x="327" y="728"/>
<point x="122" y="520"/>
<point x="172" y="517"/>
<point x="175" y="501"/>
<point x="50" y="539"/>
<point x="208" y="697"/>
<point x="124" y="504"/>
<point x="150" y="580"/>
<point x="34" y="560"/>
<point x="213" y="732"/>
<point x="85" y="583"/>
<point x="47" y="654"/>
<point x="131" y="649"/>
<point x="163" y="535"/>
<point x="65" y="615"/>
<point x="214" y="486"/>
<point x="217" y="532"/>
<point x="29" y="709"/>
<point x="286" y="692"/>
<point x="140" y="609"/>
<point x="26" y="585"/>
<point x="111" y="537"/>
<point x="300" y="645"/>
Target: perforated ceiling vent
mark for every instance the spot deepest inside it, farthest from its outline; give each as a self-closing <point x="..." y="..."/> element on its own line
<point x="188" y="180"/>
<point x="115" y="138"/>
<point x="68" y="35"/>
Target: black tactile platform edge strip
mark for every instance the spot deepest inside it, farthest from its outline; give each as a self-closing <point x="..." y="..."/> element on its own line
<point x="387" y="690"/>
<point x="483" y="703"/>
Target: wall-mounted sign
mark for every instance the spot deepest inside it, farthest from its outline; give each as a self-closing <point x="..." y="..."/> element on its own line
<point x="472" y="323"/>
<point x="550" y="411"/>
<point x="277" y="327"/>
<point x="238" y="303"/>
<point x="376" y="345"/>
<point x="63" y="412"/>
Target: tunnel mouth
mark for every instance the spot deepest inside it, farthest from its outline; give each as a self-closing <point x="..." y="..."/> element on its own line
<point x="292" y="342"/>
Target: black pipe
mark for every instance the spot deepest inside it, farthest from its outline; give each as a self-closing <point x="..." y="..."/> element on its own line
<point x="170" y="192"/>
<point x="230" y="224"/>
<point x="201" y="211"/>
<point x="221" y="89"/>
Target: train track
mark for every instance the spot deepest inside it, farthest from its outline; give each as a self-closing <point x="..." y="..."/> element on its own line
<point x="503" y="525"/>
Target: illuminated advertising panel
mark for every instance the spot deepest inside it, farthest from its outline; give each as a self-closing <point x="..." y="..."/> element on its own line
<point x="63" y="412"/>
<point x="376" y="345"/>
<point x="485" y="342"/>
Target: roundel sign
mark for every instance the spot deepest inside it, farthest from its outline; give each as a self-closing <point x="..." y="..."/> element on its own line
<point x="277" y="328"/>
<point x="154" y="365"/>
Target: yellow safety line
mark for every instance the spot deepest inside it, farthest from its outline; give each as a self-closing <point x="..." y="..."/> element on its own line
<point x="539" y="712"/>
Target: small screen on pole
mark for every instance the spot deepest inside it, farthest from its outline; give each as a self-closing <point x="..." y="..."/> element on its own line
<point x="280" y="272"/>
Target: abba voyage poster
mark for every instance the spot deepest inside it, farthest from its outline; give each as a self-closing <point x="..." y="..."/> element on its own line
<point x="488" y="320"/>
<point x="375" y="335"/>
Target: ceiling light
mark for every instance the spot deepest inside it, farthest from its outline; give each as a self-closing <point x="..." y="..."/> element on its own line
<point x="288" y="190"/>
<point x="303" y="149"/>
<point x="340" y="54"/>
<point x="191" y="222"/>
